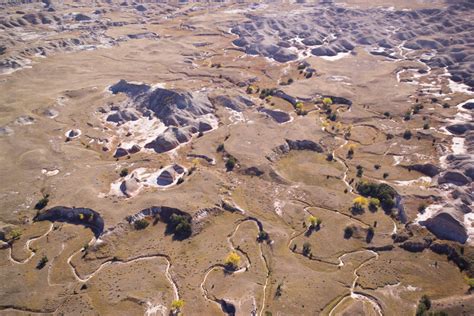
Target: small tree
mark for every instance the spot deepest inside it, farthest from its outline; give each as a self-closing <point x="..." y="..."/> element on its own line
<point x="262" y="235"/>
<point x="357" y="208"/>
<point x="360" y="171"/>
<point x="350" y="152"/>
<point x="232" y="261"/>
<point x="423" y="306"/>
<point x="306" y="249"/>
<point x="43" y="261"/>
<point x="231" y="162"/>
<point x="327" y="101"/>
<point x="124" y="172"/>
<point x="176" y="306"/>
<point x="374" y="204"/>
<point x="348" y="232"/>
<point x="370" y="234"/>
<point x="279" y="290"/>
<point x="407" y="134"/>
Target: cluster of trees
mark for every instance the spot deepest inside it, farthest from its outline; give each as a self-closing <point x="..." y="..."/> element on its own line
<point x="264" y="93"/>
<point x="314" y="222"/>
<point x="180" y="226"/>
<point x="307" y="249"/>
<point x="383" y="192"/>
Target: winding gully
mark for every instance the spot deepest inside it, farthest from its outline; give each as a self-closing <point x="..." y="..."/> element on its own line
<point x="224" y="305"/>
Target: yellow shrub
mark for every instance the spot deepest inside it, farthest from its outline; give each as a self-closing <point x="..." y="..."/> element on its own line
<point x="177" y="304"/>
<point x="233" y="260"/>
<point x="360" y="200"/>
<point x="327" y="101"/>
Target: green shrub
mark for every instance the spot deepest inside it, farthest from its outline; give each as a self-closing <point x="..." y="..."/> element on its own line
<point x="14" y="234"/>
<point x="426" y="126"/>
<point x="407" y="134"/>
<point x="220" y="148"/>
<point x="230" y="163"/>
<point x="140" y="224"/>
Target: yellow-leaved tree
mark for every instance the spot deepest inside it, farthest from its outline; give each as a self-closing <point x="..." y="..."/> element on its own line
<point x="176" y="306"/>
<point x="232" y="260"/>
<point x="360" y="200"/>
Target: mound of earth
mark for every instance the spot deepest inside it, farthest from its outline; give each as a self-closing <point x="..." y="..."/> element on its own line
<point x="184" y="113"/>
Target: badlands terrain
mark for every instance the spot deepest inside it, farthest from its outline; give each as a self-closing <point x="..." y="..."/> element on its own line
<point x="231" y="158"/>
